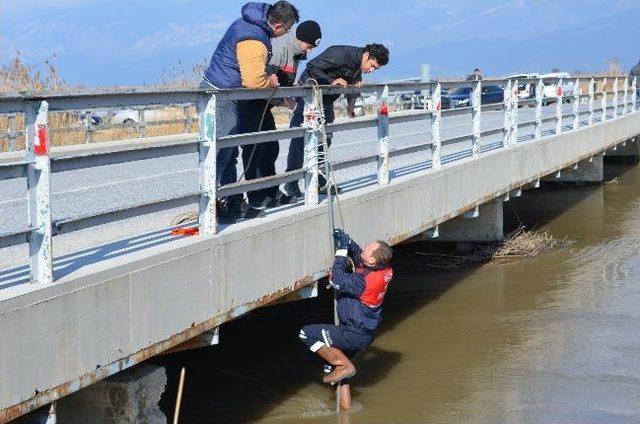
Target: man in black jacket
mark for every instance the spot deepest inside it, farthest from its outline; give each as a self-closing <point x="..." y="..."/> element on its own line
<point x="338" y="66"/>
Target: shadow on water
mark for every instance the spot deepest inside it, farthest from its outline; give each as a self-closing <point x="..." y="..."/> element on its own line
<point x="260" y="369"/>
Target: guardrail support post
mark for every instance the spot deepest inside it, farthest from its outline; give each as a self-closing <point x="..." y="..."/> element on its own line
<point x="314" y="124"/>
<point x="513" y="138"/>
<point x="559" y="104"/>
<point x="507" y="115"/>
<point x="592" y="101"/>
<point x="88" y="130"/>
<point x="11" y="132"/>
<point x="603" y="102"/>
<point x="187" y="118"/>
<point x="476" y="116"/>
<point x="383" y="138"/>
<point x="142" y="125"/>
<point x="576" y="104"/>
<point x="634" y="94"/>
<point x="436" y="121"/>
<point x="208" y="150"/>
<point x="539" y="95"/>
<point x="625" y="96"/>
<point x="615" y="98"/>
<point x="38" y="183"/>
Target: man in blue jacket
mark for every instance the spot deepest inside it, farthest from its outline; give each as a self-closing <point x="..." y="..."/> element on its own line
<point x="360" y="294"/>
<point x="240" y="60"/>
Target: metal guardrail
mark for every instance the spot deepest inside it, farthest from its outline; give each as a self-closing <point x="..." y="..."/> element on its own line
<point x="39" y="163"/>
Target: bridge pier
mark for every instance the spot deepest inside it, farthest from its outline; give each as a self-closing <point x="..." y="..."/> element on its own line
<point x="484" y="226"/>
<point x="126" y="398"/>
<point x="587" y="171"/>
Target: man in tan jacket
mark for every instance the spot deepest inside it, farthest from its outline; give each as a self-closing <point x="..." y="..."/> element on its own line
<point x="240" y="60"/>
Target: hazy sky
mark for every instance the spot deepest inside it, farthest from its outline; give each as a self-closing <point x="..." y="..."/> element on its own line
<point x="100" y="42"/>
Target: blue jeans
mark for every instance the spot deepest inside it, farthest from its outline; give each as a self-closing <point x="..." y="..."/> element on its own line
<point x="295" y="158"/>
<point x="227" y="123"/>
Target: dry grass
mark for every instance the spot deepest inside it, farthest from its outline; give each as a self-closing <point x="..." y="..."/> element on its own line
<point x="519" y="244"/>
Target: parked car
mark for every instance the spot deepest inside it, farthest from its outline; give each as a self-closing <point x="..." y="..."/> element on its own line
<point x="461" y="97"/>
<point x="526" y="89"/>
<point x="550" y="92"/>
<point x="130" y="117"/>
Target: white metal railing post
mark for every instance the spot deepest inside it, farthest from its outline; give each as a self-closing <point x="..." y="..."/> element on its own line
<point x="88" y="130"/>
<point x="383" y="138"/>
<point x="634" y="94"/>
<point x="11" y="132"/>
<point x="615" y="98"/>
<point x="506" y="133"/>
<point x="476" y="116"/>
<point x="207" y="154"/>
<point x="142" y="125"/>
<point x="603" y="101"/>
<point x="436" y="121"/>
<point x="513" y="138"/>
<point x="576" y="104"/>
<point x="187" y="118"/>
<point x="625" y="96"/>
<point x="592" y="101"/>
<point x="559" y="104"/>
<point x="314" y="124"/>
<point x="38" y="183"/>
<point x="539" y="95"/>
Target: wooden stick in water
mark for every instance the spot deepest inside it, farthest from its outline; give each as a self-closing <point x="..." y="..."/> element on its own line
<point x="176" y="411"/>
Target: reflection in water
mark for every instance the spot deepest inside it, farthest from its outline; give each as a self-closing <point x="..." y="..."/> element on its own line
<point x="551" y="339"/>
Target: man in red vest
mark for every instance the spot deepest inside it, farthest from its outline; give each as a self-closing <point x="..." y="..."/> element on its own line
<point x="360" y="295"/>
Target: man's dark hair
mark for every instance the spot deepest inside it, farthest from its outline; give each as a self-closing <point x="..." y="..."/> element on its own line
<point x="283" y="12"/>
<point x="378" y="52"/>
<point x="383" y="254"/>
<point x="477" y="69"/>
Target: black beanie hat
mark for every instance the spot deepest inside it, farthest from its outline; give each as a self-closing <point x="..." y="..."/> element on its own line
<point x="309" y="32"/>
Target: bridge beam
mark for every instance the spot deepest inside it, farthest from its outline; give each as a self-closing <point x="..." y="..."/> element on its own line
<point x="587" y="171"/>
<point x="129" y="397"/>
<point x="486" y="226"/>
<point x="629" y="148"/>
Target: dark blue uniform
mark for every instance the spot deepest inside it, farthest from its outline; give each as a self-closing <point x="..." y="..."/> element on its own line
<point x="360" y="295"/>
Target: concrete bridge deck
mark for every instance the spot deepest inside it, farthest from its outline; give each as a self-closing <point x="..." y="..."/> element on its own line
<point x="120" y="298"/>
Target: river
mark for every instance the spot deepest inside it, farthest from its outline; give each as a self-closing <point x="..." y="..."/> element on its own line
<point x="550" y="339"/>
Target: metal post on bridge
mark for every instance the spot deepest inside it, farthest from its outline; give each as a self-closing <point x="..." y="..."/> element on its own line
<point x="592" y="101"/>
<point x="476" y="116"/>
<point x="314" y="125"/>
<point x="38" y="199"/>
<point x="559" y="104"/>
<point x="507" y="115"/>
<point x="625" y="96"/>
<point x="187" y="118"/>
<point x="436" y="121"/>
<point x="513" y="137"/>
<point x="383" y="137"/>
<point x="615" y="98"/>
<point x="11" y="132"/>
<point x="634" y="94"/>
<point x="142" y="125"/>
<point x="88" y="129"/>
<point x="576" y="104"/>
<point x="539" y="95"/>
<point x="207" y="153"/>
<point x="603" y="101"/>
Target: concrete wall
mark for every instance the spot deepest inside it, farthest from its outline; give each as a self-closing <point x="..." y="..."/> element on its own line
<point x="108" y="317"/>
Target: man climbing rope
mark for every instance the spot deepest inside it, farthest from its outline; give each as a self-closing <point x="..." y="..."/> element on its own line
<point x="359" y="306"/>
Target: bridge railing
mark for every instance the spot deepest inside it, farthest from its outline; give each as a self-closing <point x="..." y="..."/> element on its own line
<point x="594" y="101"/>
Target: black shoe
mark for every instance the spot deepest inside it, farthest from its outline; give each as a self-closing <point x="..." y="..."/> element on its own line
<point x="252" y="212"/>
<point x="272" y="202"/>
<point x="286" y="199"/>
<point x="334" y="190"/>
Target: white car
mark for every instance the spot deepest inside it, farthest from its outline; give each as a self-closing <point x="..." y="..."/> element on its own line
<point x="130" y="117"/>
<point x="551" y="88"/>
<point x="526" y="89"/>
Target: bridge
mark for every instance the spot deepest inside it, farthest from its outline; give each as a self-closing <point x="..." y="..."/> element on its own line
<point x="93" y="281"/>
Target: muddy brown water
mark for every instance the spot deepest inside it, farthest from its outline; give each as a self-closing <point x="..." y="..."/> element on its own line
<point x="550" y="339"/>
